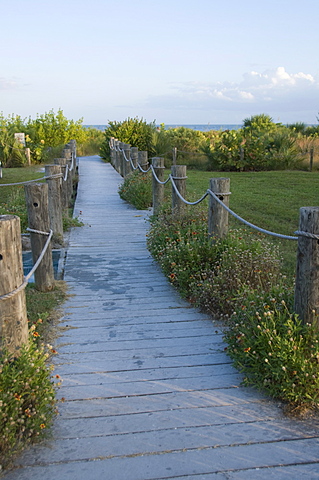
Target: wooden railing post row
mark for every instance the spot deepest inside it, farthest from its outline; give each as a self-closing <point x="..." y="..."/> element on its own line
<point x="134" y="155"/>
<point x="112" y="152"/>
<point x="179" y="177"/>
<point x="38" y="218"/>
<point x="66" y="153"/>
<point x="126" y="154"/>
<point x="13" y="311"/>
<point x="117" y="155"/>
<point x="158" y="188"/>
<point x="121" y="160"/>
<point x="55" y="201"/>
<point x="65" y="185"/>
<point x="307" y="271"/>
<point x="217" y="215"/>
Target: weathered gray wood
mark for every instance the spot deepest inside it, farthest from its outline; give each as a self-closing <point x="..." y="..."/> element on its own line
<point x="38" y="219"/>
<point x="121" y="163"/>
<point x="174" y="161"/>
<point x="13" y="313"/>
<point x="126" y="156"/>
<point x="117" y="155"/>
<point x="307" y="273"/>
<point x="67" y="153"/>
<point x="217" y="215"/>
<point x="112" y="151"/>
<point x="28" y="155"/>
<point x="55" y="202"/>
<point x="65" y="185"/>
<point x="143" y="160"/>
<point x="179" y="177"/>
<point x="134" y="155"/>
<point x="157" y="188"/>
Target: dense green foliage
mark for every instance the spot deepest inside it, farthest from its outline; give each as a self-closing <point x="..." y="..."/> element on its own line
<point x="259" y="145"/>
<point x="134" y="131"/>
<point x="45" y="136"/>
<point x="137" y="190"/>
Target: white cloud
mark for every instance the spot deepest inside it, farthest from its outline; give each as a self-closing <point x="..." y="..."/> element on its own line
<point x="8" y="83"/>
<point x="270" y="91"/>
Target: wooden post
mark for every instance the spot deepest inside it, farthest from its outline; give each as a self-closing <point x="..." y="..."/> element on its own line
<point x="174" y="156"/>
<point x="13" y="312"/>
<point x="67" y="153"/>
<point x="112" y="151"/>
<point x="65" y="184"/>
<point x="134" y="155"/>
<point x="307" y="273"/>
<point x="126" y="163"/>
<point x="217" y="215"/>
<point x="142" y="160"/>
<point x="38" y="218"/>
<point x="55" y="204"/>
<point x="28" y="155"/>
<point x="158" y="188"/>
<point x="121" y="160"/>
<point x="117" y="156"/>
<point x="241" y="157"/>
<point x="311" y="158"/>
<point x="179" y="178"/>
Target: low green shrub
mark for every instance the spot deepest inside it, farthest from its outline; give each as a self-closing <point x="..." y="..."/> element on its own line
<point x="214" y="274"/>
<point x="275" y="351"/>
<point x="137" y="190"/>
<point x="27" y="397"/>
<point x="239" y="279"/>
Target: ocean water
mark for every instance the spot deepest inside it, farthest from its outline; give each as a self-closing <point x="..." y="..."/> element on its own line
<point x="202" y="128"/>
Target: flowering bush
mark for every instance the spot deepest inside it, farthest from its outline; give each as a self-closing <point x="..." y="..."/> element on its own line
<point x="238" y="278"/>
<point x="27" y="397"/>
<point x="276" y="351"/>
<point x="212" y="274"/>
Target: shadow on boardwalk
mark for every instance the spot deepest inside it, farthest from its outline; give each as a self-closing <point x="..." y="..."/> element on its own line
<point x="149" y="391"/>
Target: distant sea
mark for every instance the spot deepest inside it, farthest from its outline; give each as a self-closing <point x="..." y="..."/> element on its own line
<point x="201" y="128"/>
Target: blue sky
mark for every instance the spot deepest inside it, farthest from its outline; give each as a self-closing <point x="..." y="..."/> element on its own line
<point x="173" y="61"/>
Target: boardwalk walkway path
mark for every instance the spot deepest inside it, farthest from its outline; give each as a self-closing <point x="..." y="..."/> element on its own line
<point x="149" y="391"/>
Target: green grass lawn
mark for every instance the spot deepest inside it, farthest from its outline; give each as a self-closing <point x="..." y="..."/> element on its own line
<point x="14" y="175"/>
<point x="270" y="200"/>
<point x="12" y="198"/>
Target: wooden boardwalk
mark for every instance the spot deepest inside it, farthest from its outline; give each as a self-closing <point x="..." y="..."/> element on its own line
<point x="149" y="391"/>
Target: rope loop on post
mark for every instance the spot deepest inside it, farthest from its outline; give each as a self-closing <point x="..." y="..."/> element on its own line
<point x="35" y="266"/>
<point x="300" y="233"/>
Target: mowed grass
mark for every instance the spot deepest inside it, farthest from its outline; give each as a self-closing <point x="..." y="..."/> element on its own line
<point x="15" y="175"/>
<point x="270" y="200"/>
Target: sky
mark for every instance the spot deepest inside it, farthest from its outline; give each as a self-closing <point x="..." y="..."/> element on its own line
<point x="168" y="61"/>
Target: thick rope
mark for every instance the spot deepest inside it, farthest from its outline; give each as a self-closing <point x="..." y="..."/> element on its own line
<point x="182" y="198"/>
<point x="300" y="233"/>
<point x="262" y="230"/>
<point x="35" y="266"/>
<point x="57" y="175"/>
<point x="156" y="177"/>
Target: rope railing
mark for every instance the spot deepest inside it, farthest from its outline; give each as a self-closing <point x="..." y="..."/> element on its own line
<point x="208" y="192"/>
<point x="35" y="266"/>
<point x="26" y="182"/>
